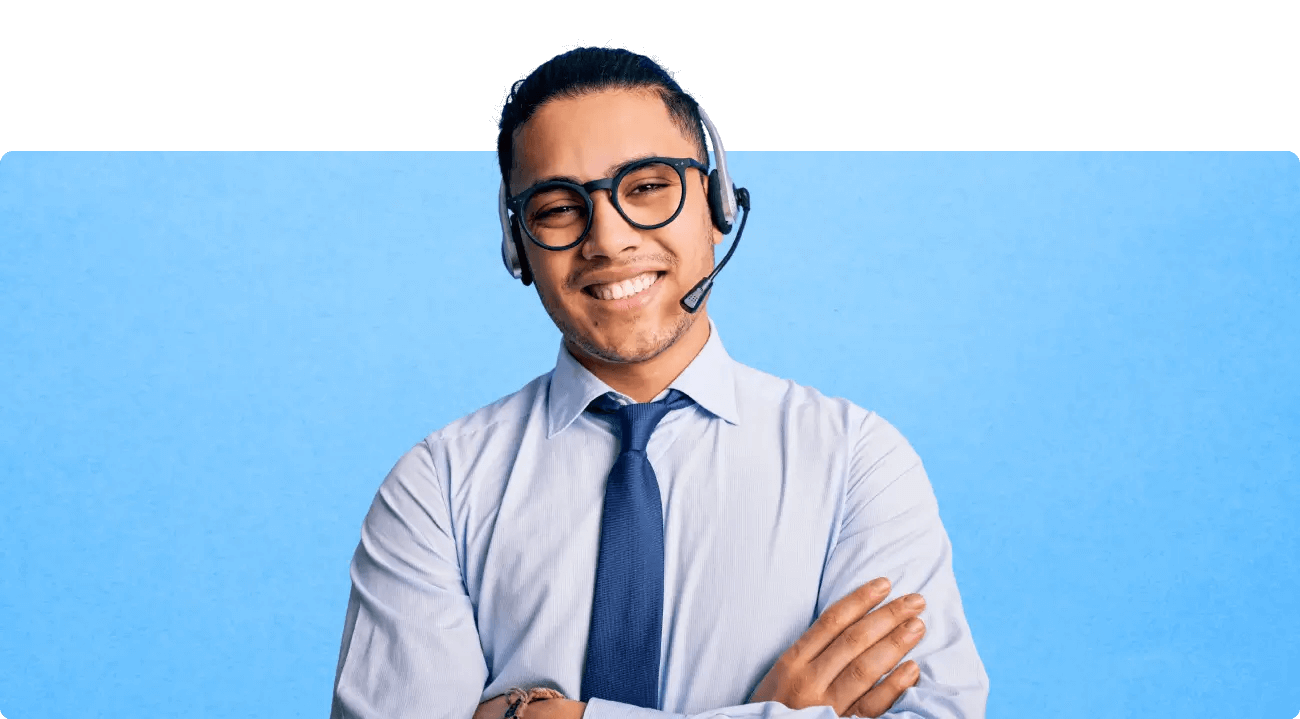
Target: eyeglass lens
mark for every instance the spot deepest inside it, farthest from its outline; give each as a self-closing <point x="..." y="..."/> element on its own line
<point x="648" y="195"/>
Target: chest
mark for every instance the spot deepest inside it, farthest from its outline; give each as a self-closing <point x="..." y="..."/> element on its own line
<point x="749" y="517"/>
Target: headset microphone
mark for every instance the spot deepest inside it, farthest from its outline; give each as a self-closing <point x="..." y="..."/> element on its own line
<point x="691" y="301"/>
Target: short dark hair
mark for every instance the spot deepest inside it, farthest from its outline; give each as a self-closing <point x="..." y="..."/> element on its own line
<point x="590" y="69"/>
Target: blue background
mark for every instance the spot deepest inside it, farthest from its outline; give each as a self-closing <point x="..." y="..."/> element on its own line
<point x="211" y="360"/>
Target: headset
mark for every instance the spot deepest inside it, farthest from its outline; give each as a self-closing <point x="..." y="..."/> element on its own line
<point x="723" y="208"/>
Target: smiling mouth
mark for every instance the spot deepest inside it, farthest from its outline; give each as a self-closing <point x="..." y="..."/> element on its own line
<point x="625" y="289"/>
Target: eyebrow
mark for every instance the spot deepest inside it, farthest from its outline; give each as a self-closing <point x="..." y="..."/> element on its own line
<point x="609" y="172"/>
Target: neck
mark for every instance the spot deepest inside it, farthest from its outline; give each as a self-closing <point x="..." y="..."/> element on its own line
<point x="643" y="381"/>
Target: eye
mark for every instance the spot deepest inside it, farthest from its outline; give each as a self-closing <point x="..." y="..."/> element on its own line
<point x="642" y="188"/>
<point x="555" y="211"/>
<point x="555" y="207"/>
<point x="557" y="215"/>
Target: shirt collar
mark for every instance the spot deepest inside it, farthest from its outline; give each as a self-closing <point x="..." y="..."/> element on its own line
<point x="709" y="380"/>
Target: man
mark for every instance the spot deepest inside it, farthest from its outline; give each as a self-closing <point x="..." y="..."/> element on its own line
<point x="651" y="529"/>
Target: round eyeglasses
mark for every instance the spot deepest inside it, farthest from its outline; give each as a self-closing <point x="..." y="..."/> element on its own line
<point x="648" y="193"/>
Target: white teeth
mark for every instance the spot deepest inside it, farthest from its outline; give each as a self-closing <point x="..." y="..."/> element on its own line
<point x="626" y="288"/>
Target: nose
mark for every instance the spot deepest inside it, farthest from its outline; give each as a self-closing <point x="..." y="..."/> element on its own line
<point x="610" y="235"/>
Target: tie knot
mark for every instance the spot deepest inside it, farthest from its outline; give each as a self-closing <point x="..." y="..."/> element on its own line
<point x="638" y="421"/>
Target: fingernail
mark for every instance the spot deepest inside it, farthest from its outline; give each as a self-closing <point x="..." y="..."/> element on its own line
<point x="913" y="626"/>
<point x="879" y="585"/>
<point x="914" y="601"/>
<point x="913" y="669"/>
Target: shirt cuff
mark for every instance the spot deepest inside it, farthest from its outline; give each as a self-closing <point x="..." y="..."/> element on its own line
<point x="602" y="709"/>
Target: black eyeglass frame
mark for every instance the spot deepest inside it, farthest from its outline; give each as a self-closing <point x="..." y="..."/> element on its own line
<point x="517" y="202"/>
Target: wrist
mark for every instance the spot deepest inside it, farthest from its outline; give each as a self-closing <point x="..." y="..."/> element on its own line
<point x="557" y="709"/>
<point x="540" y="703"/>
<point x="575" y="709"/>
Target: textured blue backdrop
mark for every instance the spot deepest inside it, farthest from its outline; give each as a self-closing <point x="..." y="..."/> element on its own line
<point x="210" y="361"/>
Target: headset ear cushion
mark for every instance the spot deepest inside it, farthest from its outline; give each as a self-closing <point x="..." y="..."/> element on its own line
<point x="715" y="204"/>
<point x="526" y="272"/>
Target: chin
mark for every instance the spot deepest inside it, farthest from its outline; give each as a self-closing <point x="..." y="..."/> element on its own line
<point x="632" y="346"/>
<point x="640" y="347"/>
<point x="628" y="340"/>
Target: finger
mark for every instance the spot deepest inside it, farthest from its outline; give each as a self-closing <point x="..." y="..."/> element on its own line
<point x="881" y="697"/>
<point x="869" y="666"/>
<point x="836" y="618"/>
<point x="864" y="633"/>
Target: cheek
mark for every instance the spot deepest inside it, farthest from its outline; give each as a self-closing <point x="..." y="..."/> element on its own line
<point x="712" y="234"/>
<point x="549" y="273"/>
<point x="698" y="203"/>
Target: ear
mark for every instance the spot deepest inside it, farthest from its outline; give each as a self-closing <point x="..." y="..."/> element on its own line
<point x="527" y="272"/>
<point x="715" y="237"/>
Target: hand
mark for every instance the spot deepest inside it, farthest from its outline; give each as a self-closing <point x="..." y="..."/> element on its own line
<point x="836" y="662"/>
<point x="495" y="708"/>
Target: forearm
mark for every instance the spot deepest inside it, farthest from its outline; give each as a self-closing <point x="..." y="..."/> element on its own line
<point x="410" y="643"/>
<point x="498" y="707"/>
<point x="892" y="529"/>
<point x="600" y="709"/>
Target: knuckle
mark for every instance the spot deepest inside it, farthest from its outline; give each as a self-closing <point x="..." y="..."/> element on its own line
<point x="832" y="617"/>
<point x="859" y="673"/>
<point x="866" y="707"/>
<point x="840" y="614"/>
<point x="801" y="692"/>
<point x="855" y="635"/>
<point x="846" y="614"/>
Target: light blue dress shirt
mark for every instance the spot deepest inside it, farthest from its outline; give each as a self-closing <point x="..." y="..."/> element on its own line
<point x="477" y="559"/>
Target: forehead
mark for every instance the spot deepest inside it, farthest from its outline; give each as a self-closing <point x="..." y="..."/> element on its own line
<point x="583" y="137"/>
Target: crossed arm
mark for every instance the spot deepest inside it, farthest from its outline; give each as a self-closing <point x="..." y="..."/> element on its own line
<point x="835" y="664"/>
<point x="411" y="648"/>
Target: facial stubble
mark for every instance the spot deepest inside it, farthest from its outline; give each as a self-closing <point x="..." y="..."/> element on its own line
<point x="656" y="345"/>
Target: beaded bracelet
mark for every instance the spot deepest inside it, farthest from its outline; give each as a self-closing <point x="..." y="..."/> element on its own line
<point x="519" y="699"/>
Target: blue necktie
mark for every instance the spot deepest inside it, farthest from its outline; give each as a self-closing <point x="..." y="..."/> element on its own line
<point x="627" y="608"/>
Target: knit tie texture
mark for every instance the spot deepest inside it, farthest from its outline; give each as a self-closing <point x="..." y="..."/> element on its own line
<point x="627" y="610"/>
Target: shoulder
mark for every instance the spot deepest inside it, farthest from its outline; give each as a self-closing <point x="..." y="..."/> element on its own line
<point x="870" y="436"/>
<point x="760" y="391"/>
<point x="506" y="416"/>
<point x="512" y="410"/>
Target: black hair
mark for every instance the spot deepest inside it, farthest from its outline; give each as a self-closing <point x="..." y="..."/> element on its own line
<point x="590" y="69"/>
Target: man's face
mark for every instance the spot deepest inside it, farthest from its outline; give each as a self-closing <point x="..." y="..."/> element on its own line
<point x="587" y="138"/>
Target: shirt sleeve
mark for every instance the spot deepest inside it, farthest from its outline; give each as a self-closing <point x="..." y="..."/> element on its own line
<point x="889" y="527"/>
<point x="410" y="645"/>
<point x="601" y="709"/>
